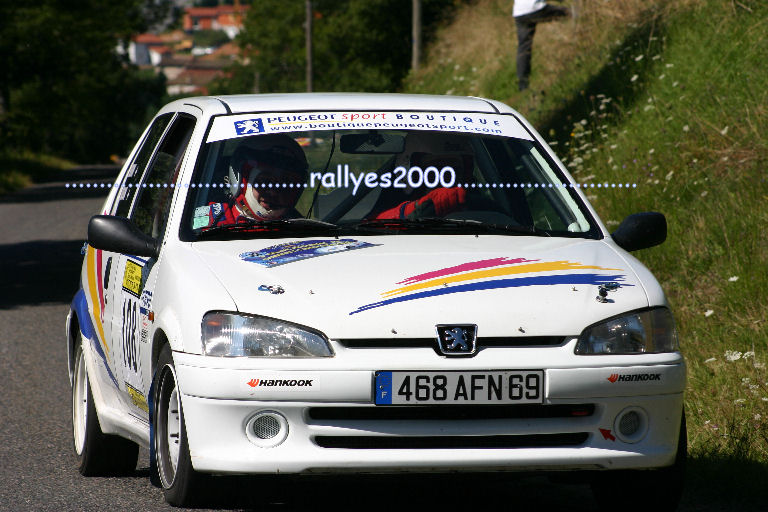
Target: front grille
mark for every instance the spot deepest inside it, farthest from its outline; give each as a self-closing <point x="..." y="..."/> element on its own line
<point x="516" y="341"/>
<point x="458" y="412"/>
<point x="437" y="442"/>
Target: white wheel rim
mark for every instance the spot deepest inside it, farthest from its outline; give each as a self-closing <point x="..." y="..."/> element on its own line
<point x="174" y="428"/>
<point x="79" y="404"/>
<point x="168" y="434"/>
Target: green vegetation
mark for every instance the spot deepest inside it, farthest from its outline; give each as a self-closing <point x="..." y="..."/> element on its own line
<point x="209" y="38"/>
<point x="357" y="45"/>
<point x="671" y="98"/>
<point x="64" y="89"/>
<point x="18" y="170"/>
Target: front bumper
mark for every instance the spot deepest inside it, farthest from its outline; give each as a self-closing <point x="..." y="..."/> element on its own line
<point x="334" y="427"/>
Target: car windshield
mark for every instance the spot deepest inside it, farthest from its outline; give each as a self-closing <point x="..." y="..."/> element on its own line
<point x="263" y="175"/>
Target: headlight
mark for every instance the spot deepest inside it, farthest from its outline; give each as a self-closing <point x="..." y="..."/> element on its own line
<point x="231" y="335"/>
<point x="648" y="331"/>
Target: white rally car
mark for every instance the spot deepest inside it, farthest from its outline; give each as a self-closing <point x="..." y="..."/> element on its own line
<point x="317" y="283"/>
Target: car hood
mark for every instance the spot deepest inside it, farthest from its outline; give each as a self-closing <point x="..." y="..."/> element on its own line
<point x="401" y="286"/>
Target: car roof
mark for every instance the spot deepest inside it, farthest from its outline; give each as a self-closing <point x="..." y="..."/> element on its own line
<point x="340" y="101"/>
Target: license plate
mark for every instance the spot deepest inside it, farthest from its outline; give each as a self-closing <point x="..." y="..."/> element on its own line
<point x="460" y="387"/>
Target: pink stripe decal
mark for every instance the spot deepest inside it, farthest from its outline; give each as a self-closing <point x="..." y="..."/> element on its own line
<point x="101" y="285"/>
<point x="472" y="265"/>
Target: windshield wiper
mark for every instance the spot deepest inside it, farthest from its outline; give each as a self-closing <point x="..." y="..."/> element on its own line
<point x="439" y="223"/>
<point x="268" y="225"/>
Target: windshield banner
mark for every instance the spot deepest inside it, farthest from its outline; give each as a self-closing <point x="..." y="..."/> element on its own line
<point x="245" y="125"/>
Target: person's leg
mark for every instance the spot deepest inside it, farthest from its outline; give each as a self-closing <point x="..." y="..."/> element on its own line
<point x="525" y="32"/>
<point x="549" y="13"/>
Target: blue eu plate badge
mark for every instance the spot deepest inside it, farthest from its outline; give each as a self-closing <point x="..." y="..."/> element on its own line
<point x="383" y="388"/>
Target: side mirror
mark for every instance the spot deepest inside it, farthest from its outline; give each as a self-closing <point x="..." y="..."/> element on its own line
<point x="117" y="234"/>
<point x="640" y="231"/>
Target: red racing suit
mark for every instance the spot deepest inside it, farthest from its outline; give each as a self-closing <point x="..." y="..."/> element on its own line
<point x="436" y="203"/>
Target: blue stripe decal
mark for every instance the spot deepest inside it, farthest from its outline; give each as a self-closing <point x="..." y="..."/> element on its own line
<point x="136" y="258"/>
<point x="80" y="306"/>
<point x="595" y="279"/>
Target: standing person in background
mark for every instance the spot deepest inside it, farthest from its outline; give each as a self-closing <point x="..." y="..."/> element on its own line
<point x="527" y="14"/>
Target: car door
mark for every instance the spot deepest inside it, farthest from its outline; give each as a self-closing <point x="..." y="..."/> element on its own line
<point x="101" y="263"/>
<point x="135" y="276"/>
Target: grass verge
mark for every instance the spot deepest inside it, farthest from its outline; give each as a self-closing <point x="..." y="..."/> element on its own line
<point x="20" y="169"/>
<point x="670" y="96"/>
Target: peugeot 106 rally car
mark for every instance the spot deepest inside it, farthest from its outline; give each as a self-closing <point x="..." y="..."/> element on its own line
<point x="317" y="283"/>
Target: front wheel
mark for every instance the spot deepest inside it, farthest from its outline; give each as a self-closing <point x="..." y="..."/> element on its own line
<point x="659" y="490"/>
<point x="98" y="454"/>
<point x="174" y="467"/>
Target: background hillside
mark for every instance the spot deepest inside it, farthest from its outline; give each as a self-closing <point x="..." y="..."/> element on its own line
<point x="672" y="96"/>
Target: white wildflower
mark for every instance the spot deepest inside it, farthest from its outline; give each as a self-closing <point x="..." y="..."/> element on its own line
<point x="634" y="78"/>
<point x="686" y="128"/>
<point x="724" y="131"/>
<point x="757" y="417"/>
<point x="703" y="194"/>
<point x="669" y="175"/>
<point x="732" y="355"/>
<point x="639" y="58"/>
<point x="740" y="400"/>
<point x="647" y="108"/>
<point x="710" y="360"/>
<point x="733" y="278"/>
<point x="675" y="84"/>
<point x="749" y="355"/>
<point x="661" y="76"/>
<point x="670" y="65"/>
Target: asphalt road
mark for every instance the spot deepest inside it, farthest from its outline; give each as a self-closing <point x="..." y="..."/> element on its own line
<point x="42" y="230"/>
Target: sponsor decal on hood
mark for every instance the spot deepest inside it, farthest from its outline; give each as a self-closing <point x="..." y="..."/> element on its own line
<point x="281" y="254"/>
<point x="491" y="274"/>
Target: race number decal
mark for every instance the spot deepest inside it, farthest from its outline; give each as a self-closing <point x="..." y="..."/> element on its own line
<point x="130" y="324"/>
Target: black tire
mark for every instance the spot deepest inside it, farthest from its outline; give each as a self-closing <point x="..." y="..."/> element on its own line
<point x="659" y="490"/>
<point x="174" y="466"/>
<point x="98" y="454"/>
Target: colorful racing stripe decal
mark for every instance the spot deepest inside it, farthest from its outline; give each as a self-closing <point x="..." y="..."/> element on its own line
<point x="496" y="272"/>
<point x="595" y="279"/>
<point x="80" y="305"/>
<point x="472" y="265"/>
<point x="94" y="295"/>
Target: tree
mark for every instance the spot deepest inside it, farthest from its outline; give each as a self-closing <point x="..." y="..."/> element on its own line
<point x="64" y="87"/>
<point x="358" y="45"/>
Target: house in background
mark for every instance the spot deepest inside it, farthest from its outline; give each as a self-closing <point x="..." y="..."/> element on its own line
<point x="189" y="69"/>
<point x="228" y="18"/>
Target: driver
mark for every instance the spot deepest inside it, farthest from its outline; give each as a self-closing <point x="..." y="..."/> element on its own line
<point x="267" y="174"/>
<point x="425" y="149"/>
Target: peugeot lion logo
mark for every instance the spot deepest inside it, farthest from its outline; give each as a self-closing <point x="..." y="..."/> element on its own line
<point x="457" y="340"/>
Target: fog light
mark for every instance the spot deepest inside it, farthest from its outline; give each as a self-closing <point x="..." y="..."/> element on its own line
<point x="631" y="424"/>
<point x="267" y="429"/>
